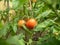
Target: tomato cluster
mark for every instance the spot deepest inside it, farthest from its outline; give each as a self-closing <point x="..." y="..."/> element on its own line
<point x="30" y="23"/>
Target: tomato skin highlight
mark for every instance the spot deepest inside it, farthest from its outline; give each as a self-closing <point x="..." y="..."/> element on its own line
<point x="31" y="23"/>
<point x="21" y="23"/>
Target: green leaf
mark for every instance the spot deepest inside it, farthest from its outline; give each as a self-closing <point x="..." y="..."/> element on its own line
<point x="44" y="14"/>
<point x="51" y="41"/>
<point x="21" y="42"/>
<point x="4" y="30"/>
<point x="17" y="4"/>
<point x="14" y="27"/>
<point x="3" y="42"/>
<point x="16" y="40"/>
<point x="1" y="25"/>
<point x="44" y="24"/>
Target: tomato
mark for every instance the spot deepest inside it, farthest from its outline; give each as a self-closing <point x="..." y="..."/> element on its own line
<point x="34" y="1"/>
<point x="31" y="23"/>
<point x="21" y="22"/>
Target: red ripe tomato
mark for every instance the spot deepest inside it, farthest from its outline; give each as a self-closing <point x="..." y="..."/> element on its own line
<point x="31" y="23"/>
<point x="21" y="22"/>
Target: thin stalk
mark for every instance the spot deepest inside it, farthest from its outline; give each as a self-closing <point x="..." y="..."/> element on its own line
<point x="5" y="2"/>
<point x="8" y="4"/>
<point x="8" y="10"/>
<point x="24" y="9"/>
<point x="30" y="9"/>
<point x="30" y="4"/>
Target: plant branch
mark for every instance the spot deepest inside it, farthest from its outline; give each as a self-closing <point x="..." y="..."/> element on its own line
<point x="30" y="5"/>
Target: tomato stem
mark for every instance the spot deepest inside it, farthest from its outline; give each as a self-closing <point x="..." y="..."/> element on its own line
<point x="26" y="29"/>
